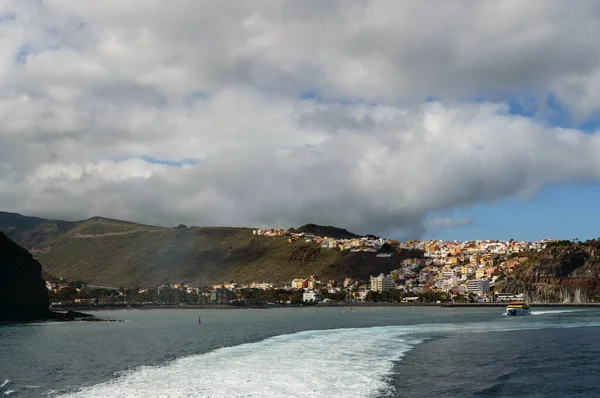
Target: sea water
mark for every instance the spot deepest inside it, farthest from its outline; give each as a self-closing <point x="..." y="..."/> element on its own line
<point x="306" y="352"/>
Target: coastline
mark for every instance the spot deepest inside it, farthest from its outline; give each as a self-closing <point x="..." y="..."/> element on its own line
<point x="109" y="307"/>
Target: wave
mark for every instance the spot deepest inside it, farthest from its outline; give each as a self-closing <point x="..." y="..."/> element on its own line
<point x="5" y="383"/>
<point x="550" y="312"/>
<point x="319" y="363"/>
<point x="339" y="362"/>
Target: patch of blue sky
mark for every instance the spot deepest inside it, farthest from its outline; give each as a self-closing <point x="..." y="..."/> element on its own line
<point x="7" y="17"/>
<point x="311" y="95"/>
<point x="22" y="54"/>
<point x="551" y="111"/>
<point x="25" y="51"/>
<point x="527" y="106"/>
<point x="557" y="113"/>
<point x="548" y="110"/>
<point x="317" y="96"/>
<point x="196" y="95"/>
<point x="592" y="125"/>
<point x="170" y="162"/>
<point x="558" y="211"/>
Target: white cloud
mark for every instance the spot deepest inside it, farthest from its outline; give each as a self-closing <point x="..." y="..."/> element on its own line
<point x="104" y="84"/>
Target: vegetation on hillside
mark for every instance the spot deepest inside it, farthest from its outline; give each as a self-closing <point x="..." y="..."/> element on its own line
<point x="324" y="231"/>
<point x="111" y="253"/>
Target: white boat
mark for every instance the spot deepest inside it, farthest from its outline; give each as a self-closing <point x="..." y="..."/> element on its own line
<point x="518" y="308"/>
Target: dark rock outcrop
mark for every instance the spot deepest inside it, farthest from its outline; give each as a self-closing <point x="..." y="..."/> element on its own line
<point x="325" y="231"/>
<point x="565" y="273"/>
<point x="23" y="293"/>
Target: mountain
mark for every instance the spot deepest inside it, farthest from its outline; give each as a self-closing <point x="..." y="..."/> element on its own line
<point x="23" y="293"/>
<point x="562" y="272"/>
<point x="31" y="232"/>
<point x="113" y="253"/>
<point x="324" y="231"/>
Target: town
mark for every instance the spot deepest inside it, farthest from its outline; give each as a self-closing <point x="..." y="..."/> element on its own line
<point x="448" y="271"/>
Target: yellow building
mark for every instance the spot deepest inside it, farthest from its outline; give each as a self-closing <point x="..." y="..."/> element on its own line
<point x="479" y="273"/>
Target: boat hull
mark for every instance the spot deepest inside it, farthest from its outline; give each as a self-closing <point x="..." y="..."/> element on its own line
<point x="517" y="311"/>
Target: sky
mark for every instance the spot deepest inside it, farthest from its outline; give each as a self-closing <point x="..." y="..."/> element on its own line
<point x="429" y="119"/>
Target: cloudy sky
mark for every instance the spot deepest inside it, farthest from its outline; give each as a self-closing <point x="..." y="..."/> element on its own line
<point x="449" y="119"/>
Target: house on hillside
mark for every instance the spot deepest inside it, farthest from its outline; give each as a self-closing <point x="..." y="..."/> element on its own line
<point x="311" y="296"/>
<point x="221" y="296"/>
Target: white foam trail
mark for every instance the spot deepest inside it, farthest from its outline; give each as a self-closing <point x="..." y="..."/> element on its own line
<point x="320" y="363"/>
<point x="332" y="363"/>
<point x="5" y="383"/>
<point x="553" y="312"/>
<point x="8" y="392"/>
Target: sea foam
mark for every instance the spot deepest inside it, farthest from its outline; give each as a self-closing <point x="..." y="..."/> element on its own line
<point x="333" y="363"/>
<point x="319" y="363"/>
<point x="550" y="312"/>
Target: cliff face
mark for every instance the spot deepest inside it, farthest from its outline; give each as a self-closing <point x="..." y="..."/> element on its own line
<point x="23" y="293"/>
<point x="563" y="273"/>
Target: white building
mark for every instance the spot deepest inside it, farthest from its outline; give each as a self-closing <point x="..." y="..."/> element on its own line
<point x="382" y="283"/>
<point x="312" y="295"/>
<point x="507" y="297"/>
<point x="448" y="274"/>
<point x="362" y="295"/>
<point x="478" y="286"/>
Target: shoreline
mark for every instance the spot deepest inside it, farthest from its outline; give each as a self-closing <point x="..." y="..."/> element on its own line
<point x="110" y="307"/>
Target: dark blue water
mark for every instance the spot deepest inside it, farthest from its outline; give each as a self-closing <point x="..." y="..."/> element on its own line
<point x="396" y="351"/>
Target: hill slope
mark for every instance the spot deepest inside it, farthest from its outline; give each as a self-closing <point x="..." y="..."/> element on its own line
<point x="324" y="231"/>
<point x="107" y="252"/>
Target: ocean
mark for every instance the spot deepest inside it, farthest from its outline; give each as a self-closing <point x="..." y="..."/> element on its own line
<point x="307" y="352"/>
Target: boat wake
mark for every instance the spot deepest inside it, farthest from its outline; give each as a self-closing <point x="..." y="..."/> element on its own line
<point x="550" y="312"/>
<point x="4" y="388"/>
<point x="339" y="363"/>
<point x="320" y="363"/>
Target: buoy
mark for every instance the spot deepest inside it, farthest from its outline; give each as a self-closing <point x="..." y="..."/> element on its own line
<point x="198" y="318"/>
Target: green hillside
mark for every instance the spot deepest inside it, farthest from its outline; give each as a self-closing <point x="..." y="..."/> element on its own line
<point x="114" y="253"/>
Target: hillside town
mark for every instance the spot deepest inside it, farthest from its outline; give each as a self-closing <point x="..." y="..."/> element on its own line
<point x="458" y="271"/>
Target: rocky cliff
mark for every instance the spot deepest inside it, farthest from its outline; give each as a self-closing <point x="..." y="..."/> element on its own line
<point x="563" y="272"/>
<point x="23" y="293"/>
